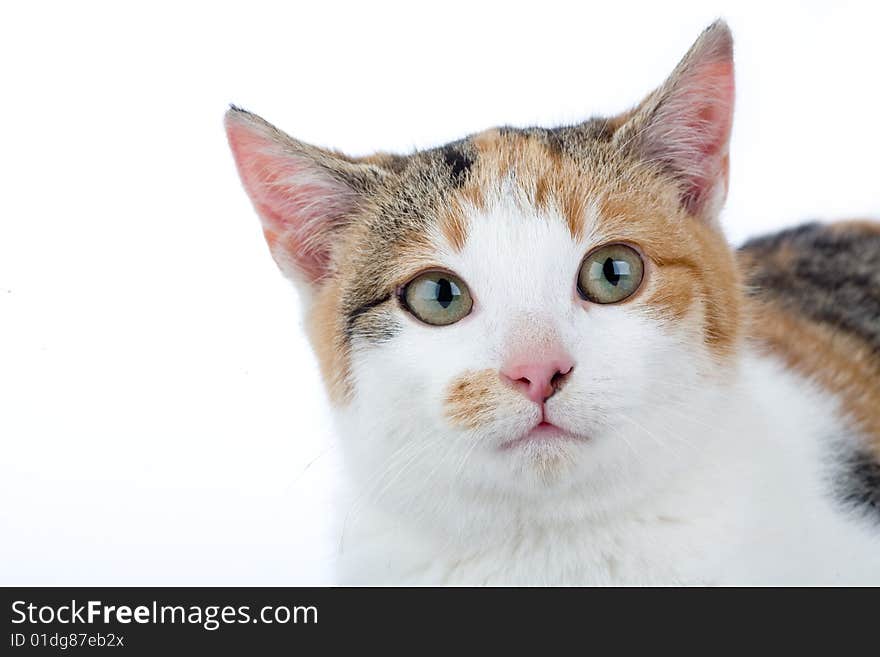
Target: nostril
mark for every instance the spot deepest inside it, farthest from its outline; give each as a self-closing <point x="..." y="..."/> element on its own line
<point x="557" y="378"/>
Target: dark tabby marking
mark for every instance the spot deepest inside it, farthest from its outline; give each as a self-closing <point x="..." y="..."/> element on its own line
<point x="830" y="274"/>
<point x="858" y="483"/>
<point x="370" y="326"/>
<point x="458" y="161"/>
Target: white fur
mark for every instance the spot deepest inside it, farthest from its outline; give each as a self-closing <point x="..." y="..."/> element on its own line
<point x="694" y="473"/>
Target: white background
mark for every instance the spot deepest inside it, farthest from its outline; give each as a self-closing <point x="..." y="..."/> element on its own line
<point x="159" y="405"/>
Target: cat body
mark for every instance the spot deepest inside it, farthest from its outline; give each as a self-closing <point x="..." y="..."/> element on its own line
<point x="548" y="367"/>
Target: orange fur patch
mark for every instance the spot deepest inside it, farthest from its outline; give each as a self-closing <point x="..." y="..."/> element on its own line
<point x="454" y="224"/>
<point x="472" y="398"/>
<point x="549" y="179"/>
<point x="838" y="361"/>
<point x="855" y="226"/>
<point x="325" y="333"/>
<point x="694" y="263"/>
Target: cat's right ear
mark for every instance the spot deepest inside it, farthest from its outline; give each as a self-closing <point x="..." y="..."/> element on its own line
<point x="304" y="195"/>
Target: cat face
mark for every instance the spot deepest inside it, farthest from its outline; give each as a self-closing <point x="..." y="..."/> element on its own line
<point x="515" y="311"/>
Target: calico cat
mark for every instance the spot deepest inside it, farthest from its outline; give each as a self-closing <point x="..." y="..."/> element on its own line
<point x="547" y="366"/>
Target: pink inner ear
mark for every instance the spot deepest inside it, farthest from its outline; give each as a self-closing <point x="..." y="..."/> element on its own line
<point x="297" y="199"/>
<point x="692" y="129"/>
<point x="713" y="105"/>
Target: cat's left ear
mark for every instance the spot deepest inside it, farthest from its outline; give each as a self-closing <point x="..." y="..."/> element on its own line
<point x="684" y="125"/>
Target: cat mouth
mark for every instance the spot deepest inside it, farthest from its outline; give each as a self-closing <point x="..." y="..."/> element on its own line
<point x="543" y="433"/>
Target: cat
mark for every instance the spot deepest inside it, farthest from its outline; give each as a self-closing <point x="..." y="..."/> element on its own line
<point x="548" y="367"/>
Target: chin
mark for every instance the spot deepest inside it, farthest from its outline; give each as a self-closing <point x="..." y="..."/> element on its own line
<point x="544" y="460"/>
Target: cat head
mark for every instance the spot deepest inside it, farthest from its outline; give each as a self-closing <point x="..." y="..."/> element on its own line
<point x="523" y="309"/>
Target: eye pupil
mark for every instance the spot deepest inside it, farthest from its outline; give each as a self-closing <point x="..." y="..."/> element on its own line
<point x="445" y="293"/>
<point x="610" y="271"/>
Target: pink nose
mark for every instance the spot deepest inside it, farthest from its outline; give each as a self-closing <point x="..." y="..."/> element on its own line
<point x="538" y="380"/>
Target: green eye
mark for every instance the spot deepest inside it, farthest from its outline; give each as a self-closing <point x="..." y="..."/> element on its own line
<point x="610" y="274"/>
<point x="437" y="297"/>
